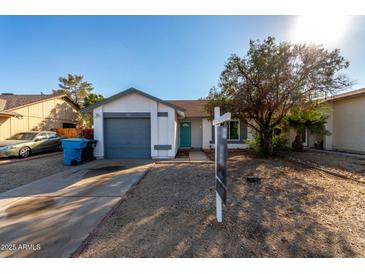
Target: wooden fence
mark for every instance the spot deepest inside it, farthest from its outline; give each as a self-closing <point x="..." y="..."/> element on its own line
<point x="68" y="132"/>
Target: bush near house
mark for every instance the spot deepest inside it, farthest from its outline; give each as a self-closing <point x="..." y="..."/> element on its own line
<point x="87" y="133"/>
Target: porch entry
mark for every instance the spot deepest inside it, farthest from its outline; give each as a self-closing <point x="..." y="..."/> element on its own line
<point x="304" y="136"/>
<point x="185" y="134"/>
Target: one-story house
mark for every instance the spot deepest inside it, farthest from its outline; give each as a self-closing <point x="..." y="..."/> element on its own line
<point x="346" y="124"/>
<point x="35" y="112"/>
<point x="134" y="124"/>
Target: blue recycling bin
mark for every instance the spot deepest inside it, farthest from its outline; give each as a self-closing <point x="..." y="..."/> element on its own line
<point x="72" y="150"/>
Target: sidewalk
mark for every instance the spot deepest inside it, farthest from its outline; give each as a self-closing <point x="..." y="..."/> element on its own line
<point x="195" y="156"/>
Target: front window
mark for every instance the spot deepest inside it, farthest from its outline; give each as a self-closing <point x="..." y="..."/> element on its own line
<point x="22" y="136"/>
<point x="234" y="130"/>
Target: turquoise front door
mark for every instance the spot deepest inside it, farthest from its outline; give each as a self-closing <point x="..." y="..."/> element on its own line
<point x="185" y="134"/>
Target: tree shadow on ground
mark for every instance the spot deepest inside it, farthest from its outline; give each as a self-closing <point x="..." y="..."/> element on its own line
<point x="56" y="217"/>
<point x="172" y="214"/>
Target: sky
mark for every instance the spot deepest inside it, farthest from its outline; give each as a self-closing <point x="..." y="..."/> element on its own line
<point x="170" y="57"/>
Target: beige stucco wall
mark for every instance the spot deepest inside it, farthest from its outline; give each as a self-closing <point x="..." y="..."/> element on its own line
<point x="44" y="115"/>
<point x="328" y="139"/>
<point x="348" y="125"/>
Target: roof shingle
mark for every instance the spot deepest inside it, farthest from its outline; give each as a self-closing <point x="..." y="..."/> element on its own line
<point x="193" y="108"/>
<point x="10" y="101"/>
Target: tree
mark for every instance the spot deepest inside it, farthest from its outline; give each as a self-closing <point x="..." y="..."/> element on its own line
<point x="272" y="80"/>
<point x="312" y="119"/>
<point x="92" y="98"/>
<point x="75" y="87"/>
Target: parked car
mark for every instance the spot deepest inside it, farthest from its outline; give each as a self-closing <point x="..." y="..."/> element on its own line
<point x="24" y="144"/>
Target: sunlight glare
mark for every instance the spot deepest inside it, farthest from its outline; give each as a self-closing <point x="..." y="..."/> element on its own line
<point x="327" y="30"/>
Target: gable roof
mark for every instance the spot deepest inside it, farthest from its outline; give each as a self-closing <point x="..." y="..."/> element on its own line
<point x="12" y="101"/>
<point x="193" y="108"/>
<point x="130" y="91"/>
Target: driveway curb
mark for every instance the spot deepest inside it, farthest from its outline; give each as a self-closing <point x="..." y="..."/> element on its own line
<point x="184" y="162"/>
<point x="348" y="176"/>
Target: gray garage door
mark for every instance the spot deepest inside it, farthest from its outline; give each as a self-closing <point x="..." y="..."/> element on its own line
<point x="127" y="138"/>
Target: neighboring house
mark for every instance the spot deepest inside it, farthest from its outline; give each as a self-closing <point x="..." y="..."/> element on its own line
<point x="346" y="122"/>
<point x="35" y="112"/>
<point x="134" y="124"/>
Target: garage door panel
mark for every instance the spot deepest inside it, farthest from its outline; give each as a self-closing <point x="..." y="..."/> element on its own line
<point x="127" y="138"/>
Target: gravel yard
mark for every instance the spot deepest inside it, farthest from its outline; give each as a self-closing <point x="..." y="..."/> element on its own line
<point x="342" y="163"/>
<point x="22" y="171"/>
<point x="294" y="212"/>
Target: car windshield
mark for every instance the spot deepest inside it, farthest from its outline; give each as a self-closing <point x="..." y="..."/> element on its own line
<point x="22" y="136"/>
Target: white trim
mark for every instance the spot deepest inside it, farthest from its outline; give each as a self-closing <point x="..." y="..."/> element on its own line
<point x="306" y="138"/>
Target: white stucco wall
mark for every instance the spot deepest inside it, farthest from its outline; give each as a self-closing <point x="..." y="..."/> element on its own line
<point x="250" y="133"/>
<point x="328" y="140"/>
<point x="176" y="134"/>
<point x="313" y="138"/>
<point x="237" y="146"/>
<point x="166" y="133"/>
<point x="163" y="129"/>
<point x="130" y="103"/>
<point x="98" y="132"/>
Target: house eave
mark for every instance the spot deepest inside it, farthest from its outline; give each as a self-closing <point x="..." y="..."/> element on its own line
<point x="9" y="114"/>
<point x="130" y="91"/>
<point x="346" y="95"/>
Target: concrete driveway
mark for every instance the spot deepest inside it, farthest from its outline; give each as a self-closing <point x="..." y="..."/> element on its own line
<point x="51" y="217"/>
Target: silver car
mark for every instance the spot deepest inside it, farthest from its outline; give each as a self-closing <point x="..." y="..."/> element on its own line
<point x="24" y="144"/>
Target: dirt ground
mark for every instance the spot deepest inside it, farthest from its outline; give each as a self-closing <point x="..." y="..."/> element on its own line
<point x="294" y="212"/>
<point x="23" y="171"/>
<point x="342" y="163"/>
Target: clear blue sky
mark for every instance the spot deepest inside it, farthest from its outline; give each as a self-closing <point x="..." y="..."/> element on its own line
<point x="170" y="57"/>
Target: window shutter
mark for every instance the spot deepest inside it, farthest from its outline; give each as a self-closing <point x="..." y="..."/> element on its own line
<point x="243" y="129"/>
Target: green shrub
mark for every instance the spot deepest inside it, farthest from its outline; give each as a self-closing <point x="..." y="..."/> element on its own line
<point x="279" y="144"/>
<point x="254" y="145"/>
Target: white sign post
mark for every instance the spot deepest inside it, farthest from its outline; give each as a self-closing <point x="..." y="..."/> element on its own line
<point x="218" y="119"/>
